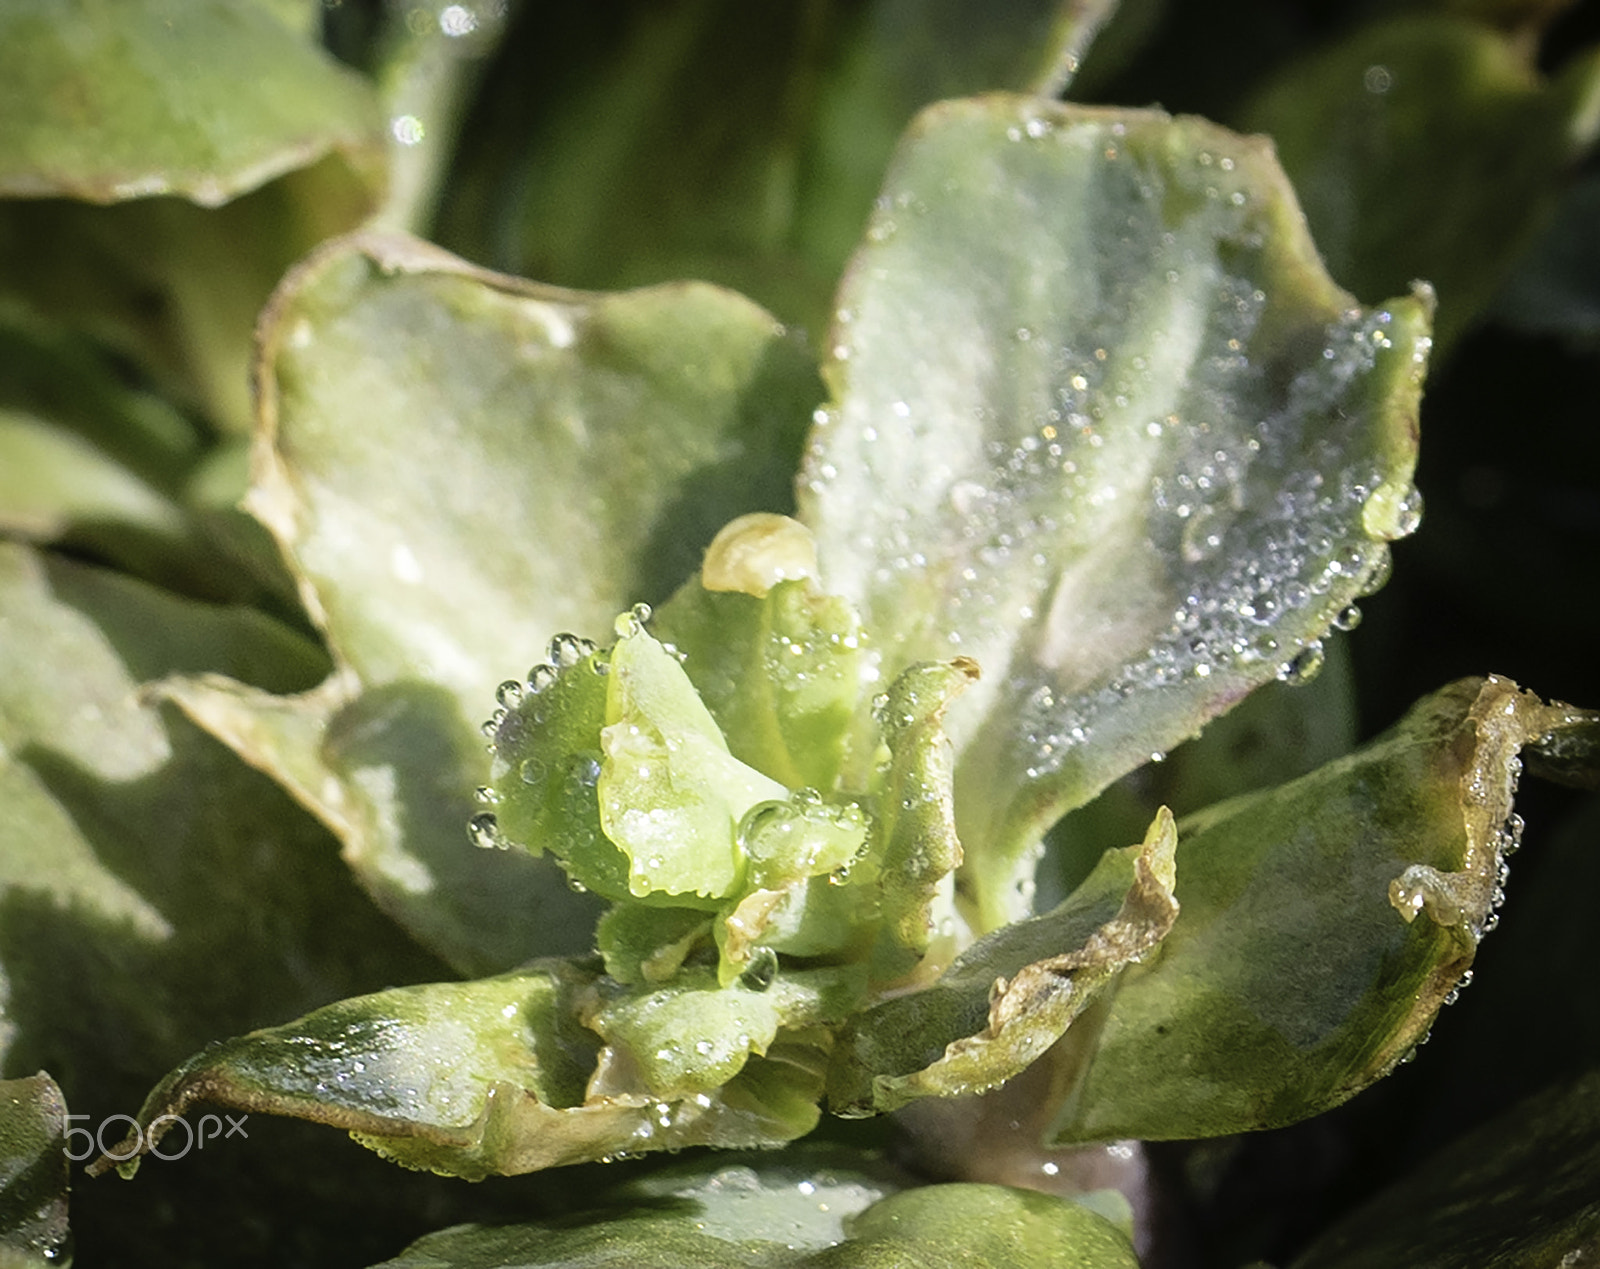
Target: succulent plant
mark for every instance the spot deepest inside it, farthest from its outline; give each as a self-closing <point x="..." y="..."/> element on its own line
<point x="938" y="738"/>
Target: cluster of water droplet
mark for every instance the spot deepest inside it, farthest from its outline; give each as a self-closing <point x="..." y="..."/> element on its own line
<point x="518" y="710"/>
<point x="1261" y="466"/>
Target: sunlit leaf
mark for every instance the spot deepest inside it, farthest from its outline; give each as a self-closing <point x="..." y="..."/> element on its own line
<point x="155" y="891"/>
<point x="1102" y="424"/>
<point x="1014" y="993"/>
<point x="575" y="454"/>
<point x="229" y="143"/>
<point x="807" y="1212"/>
<point x="501" y="1076"/>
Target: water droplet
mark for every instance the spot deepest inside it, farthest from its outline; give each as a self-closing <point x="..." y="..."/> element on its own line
<point x="484" y="829"/>
<point x="486" y="795"/>
<point x="1410" y="517"/>
<point x="490" y="727"/>
<point x="1348" y="619"/>
<point x="509" y="693"/>
<point x="567" y="650"/>
<point x="633" y="621"/>
<point x="540" y="677"/>
<point x="1305" y="666"/>
<point x="761" y="971"/>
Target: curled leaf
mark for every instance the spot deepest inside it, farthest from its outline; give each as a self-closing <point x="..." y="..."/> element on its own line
<point x="1324" y="924"/>
<point x="1015" y="993"/>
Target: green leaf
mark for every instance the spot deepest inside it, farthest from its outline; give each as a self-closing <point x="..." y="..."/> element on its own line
<point x="574" y="452"/>
<point x="714" y="141"/>
<point x="671" y="795"/>
<point x="915" y="848"/>
<point x="204" y="100"/>
<point x="501" y="1075"/>
<point x="802" y="1211"/>
<point x="33" y="1169"/>
<point x="777" y="662"/>
<point x="1388" y="137"/>
<point x="1517" y="1193"/>
<point x="1103" y="425"/>
<point x="1323" y="925"/>
<point x="230" y="145"/>
<point x="93" y="463"/>
<point x="1013" y="994"/>
<point x="154" y="890"/>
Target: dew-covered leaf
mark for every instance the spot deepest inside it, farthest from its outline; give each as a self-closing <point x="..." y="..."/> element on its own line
<point x="1403" y="142"/>
<point x="154" y="891"/>
<point x="1278" y="733"/>
<point x="33" y="1169"/>
<point x="778" y="663"/>
<point x="503" y="1075"/>
<point x="1521" y="1192"/>
<point x="1102" y="424"/>
<point x="671" y="795"/>
<point x="573" y="453"/>
<point x="797" y="1210"/>
<point x="916" y="850"/>
<point x="632" y="146"/>
<point x="1323" y="925"/>
<point x="1012" y="995"/>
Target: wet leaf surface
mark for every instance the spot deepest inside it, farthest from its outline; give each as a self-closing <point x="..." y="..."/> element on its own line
<point x="1142" y="451"/>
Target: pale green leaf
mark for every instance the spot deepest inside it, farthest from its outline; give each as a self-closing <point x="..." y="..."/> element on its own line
<point x="795" y="1211"/>
<point x="1102" y="424"/>
<point x="1012" y="995"/>
<point x="155" y="891"/>
<point x="502" y="1076"/>
<point x="574" y="452"/>
<point x="203" y="99"/>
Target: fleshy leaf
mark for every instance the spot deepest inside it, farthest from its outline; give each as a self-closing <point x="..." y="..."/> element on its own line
<point x="155" y="892"/>
<point x="671" y="795"/>
<point x="575" y="452"/>
<point x="260" y="141"/>
<point x="1013" y="994"/>
<point x="1517" y="1193"/>
<point x="915" y="843"/>
<point x="494" y="1076"/>
<point x="777" y="662"/>
<point x="1104" y="425"/>
<point x="792" y="1211"/>
<point x="1387" y="137"/>
<point x="107" y="106"/>
<point x="33" y="1169"/>
<point x="1324" y="923"/>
